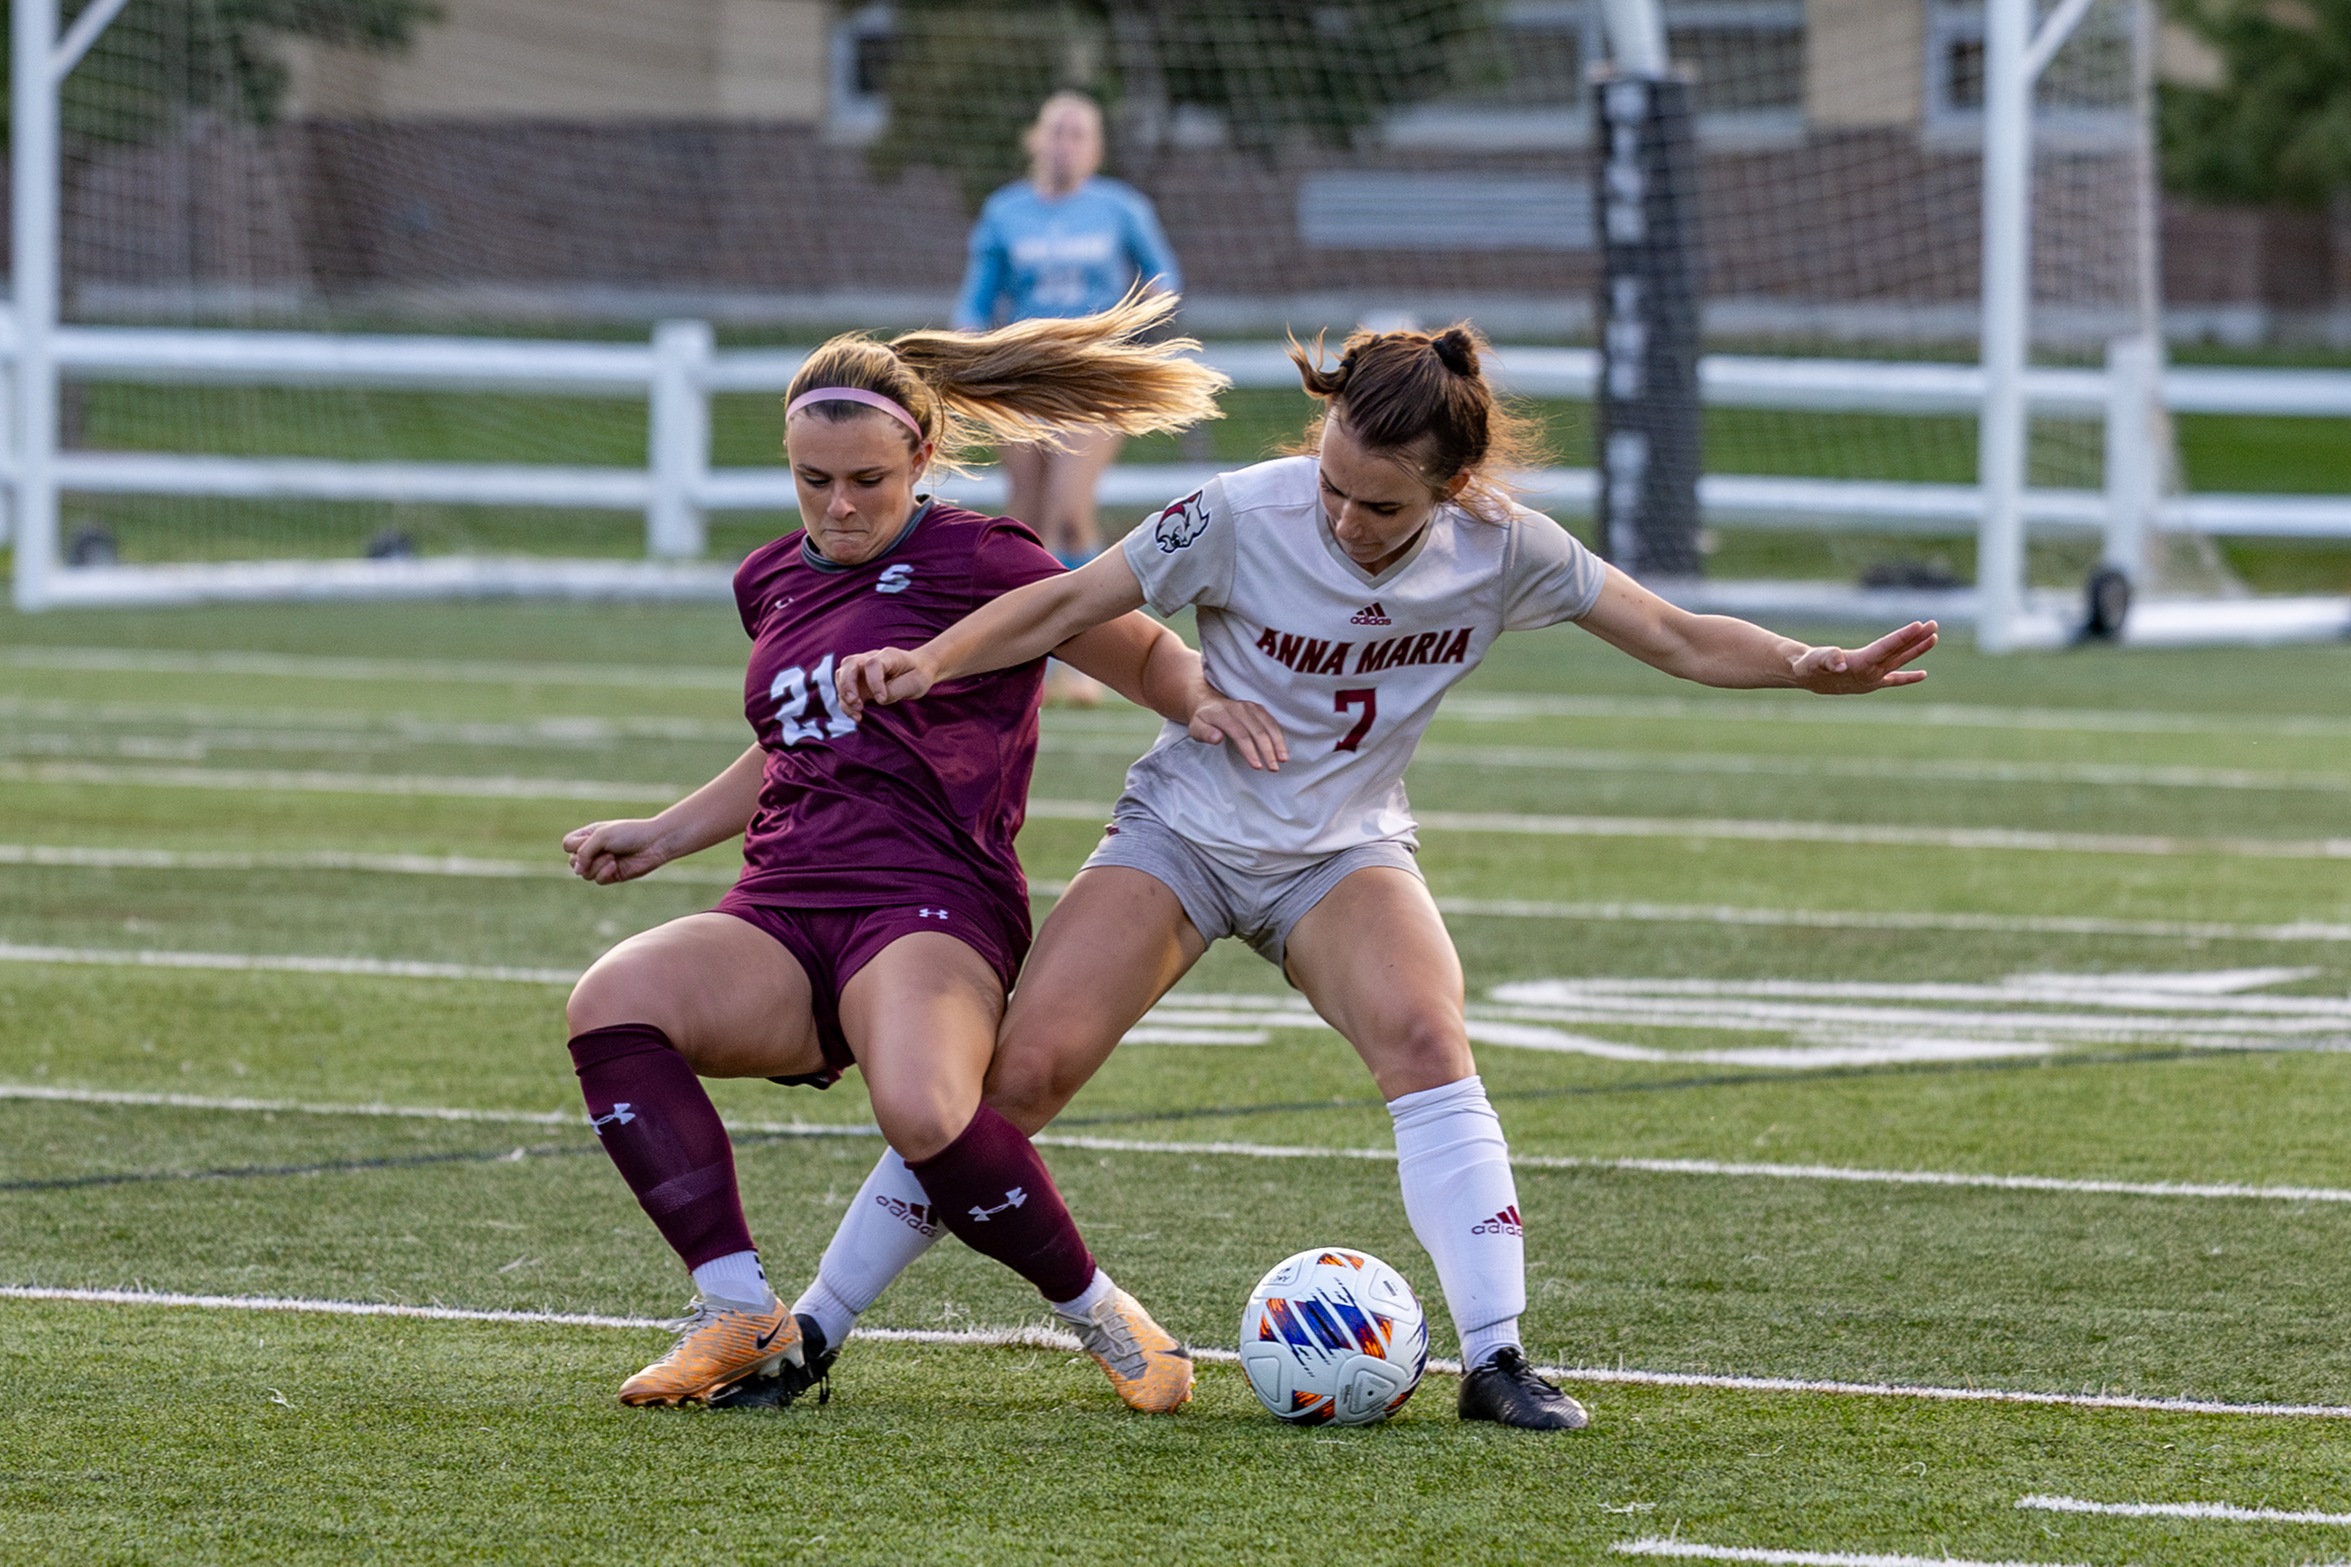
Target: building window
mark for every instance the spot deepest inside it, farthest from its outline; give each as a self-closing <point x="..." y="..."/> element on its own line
<point x="857" y="100"/>
<point x="2086" y="93"/>
<point x="1527" y="82"/>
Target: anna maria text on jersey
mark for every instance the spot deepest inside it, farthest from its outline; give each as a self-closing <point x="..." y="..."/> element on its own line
<point x="1322" y="656"/>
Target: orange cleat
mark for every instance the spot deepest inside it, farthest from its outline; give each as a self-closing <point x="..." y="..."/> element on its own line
<point x="1152" y="1372"/>
<point x="719" y="1344"/>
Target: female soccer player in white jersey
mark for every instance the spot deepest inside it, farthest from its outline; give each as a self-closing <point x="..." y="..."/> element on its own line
<point x="1345" y="592"/>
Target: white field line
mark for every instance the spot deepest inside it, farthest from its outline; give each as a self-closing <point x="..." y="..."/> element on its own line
<point x="553" y="868"/>
<point x="1690" y="1550"/>
<point x="283" y="963"/>
<point x="1707" y="764"/>
<point x="426" y="671"/>
<point x="1893" y="919"/>
<point x="1051" y="1338"/>
<point x="328" y="728"/>
<point x="1938" y="770"/>
<point x="256" y="780"/>
<point x="96" y="729"/>
<point x="2176" y="1190"/>
<point x="1826" y="1035"/>
<point x="1897" y="712"/>
<point x="253" y="780"/>
<point x="2214" y="1512"/>
<point x="105" y="857"/>
<point x="1873" y="835"/>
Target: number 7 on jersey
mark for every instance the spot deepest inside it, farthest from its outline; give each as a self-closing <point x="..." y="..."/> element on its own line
<point x="1365" y="698"/>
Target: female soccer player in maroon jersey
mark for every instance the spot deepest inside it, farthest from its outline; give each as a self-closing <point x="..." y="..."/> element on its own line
<point x="882" y="912"/>
<point x="1347" y="590"/>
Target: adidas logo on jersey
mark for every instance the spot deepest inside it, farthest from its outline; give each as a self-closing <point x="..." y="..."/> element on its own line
<point x="1503" y="1223"/>
<point x="1370" y="615"/>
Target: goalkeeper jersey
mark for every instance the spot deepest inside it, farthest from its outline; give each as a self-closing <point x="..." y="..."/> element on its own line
<point x="1351" y="665"/>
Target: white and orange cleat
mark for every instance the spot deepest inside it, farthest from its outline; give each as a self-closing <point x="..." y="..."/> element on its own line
<point x="720" y="1343"/>
<point x="1152" y="1372"/>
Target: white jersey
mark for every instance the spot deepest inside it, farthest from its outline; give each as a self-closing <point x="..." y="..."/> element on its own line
<point x="1351" y="665"/>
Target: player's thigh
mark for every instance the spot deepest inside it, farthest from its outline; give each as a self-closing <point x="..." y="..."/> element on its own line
<point x="1071" y="476"/>
<point x="1024" y="467"/>
<point x="728" y="995"/>
<point x="1376" y="960"/>
<point x="921" y="1018"/>
<point x="1112" y="946"/>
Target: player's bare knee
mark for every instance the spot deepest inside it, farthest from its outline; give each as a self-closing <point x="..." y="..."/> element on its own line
<point x="616" y="991"/>
<point x="1424" y="1049"/>
<point x="1029" y="1093"/>
<point x="920" y="1129"/>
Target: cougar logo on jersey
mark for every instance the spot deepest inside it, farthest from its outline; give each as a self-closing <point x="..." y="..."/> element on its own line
<point x="1180" y="524"/>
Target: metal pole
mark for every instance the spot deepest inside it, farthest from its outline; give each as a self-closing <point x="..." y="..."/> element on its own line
<point x="33" y="199"/>
<point x="2134" y="369"/>
<point x="1636" y="36"/>
<point x="2002" y="429"/>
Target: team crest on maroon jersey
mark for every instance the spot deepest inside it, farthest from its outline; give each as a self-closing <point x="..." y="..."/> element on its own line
<point x="1180" y="524"/>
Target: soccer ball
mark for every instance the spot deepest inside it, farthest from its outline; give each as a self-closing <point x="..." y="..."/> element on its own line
<point x="1333" y="1337"/>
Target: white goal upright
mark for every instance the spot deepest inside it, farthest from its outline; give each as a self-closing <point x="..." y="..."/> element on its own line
<point x="497" y="297"/>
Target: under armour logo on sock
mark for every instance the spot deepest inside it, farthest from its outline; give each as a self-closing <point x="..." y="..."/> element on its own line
<point x="1012" y="1199"/>
<point x="1504" y="1223"/>
<point x="620" y="1116"/>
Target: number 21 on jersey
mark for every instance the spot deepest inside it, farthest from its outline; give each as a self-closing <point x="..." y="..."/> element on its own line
<point x="791" y="690"/>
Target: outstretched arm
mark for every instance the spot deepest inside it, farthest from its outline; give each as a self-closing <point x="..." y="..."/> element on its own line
<point x="1721" y="650"/>
<point x="606" y="852"/>
<point x="1026" y="623"/>
<point x="1149" y="665"/>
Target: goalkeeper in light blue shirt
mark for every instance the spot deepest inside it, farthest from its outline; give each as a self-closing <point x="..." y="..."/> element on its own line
<point x="1063" y="242"/>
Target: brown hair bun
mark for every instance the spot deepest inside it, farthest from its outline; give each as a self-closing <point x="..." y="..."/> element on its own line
<point x="1457" y="351"/>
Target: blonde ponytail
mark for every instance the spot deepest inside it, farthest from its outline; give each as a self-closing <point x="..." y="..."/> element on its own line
<point x="1032" y="381"/>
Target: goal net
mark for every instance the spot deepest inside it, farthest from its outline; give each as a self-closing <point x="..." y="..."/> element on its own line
<point x="373" y="301"/>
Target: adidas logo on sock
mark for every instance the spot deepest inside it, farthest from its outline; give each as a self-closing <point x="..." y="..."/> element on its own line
<point x="918" y="1217"/>
<point x="1370" y="615"/>
<point x="1503" y="1223"/>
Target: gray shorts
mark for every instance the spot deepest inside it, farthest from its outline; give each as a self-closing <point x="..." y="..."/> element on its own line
<point x="1262" y="909"/>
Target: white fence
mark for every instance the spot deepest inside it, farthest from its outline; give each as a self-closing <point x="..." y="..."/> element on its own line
<point x="680" y="369"/>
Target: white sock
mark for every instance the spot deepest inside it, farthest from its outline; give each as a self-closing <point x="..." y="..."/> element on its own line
<point x="888" y="1227"/>
<point x="1454" y="1166"/>
<point x="1082" y="1308"/>
<point x="736" y="1278"/>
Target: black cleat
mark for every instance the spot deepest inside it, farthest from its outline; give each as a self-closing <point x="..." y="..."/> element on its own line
<point x="1506" y="1391"/>
<point x="789" y="1383"/>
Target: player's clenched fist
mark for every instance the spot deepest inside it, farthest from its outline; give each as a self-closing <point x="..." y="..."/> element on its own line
<point x="606" y="852"/>
<point x="881" y="677"/>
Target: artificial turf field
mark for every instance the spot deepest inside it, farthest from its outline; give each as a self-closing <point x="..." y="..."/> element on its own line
<point x="1773" y="995"/>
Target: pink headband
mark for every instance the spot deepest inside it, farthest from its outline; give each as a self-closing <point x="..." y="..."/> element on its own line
<point x="853" y="394"/>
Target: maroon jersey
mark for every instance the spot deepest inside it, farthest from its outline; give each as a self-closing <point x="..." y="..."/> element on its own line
<point x="915" y="799"/>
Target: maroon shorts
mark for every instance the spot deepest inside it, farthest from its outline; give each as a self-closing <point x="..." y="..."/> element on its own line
<point x="833" y="944"/>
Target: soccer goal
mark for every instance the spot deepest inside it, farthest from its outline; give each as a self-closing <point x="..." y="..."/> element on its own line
<point x="1834" y="305"/>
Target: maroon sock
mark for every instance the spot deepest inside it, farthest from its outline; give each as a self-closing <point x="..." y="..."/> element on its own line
<point x="659" y="1126"/>
<point x="992" y="1190"/>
